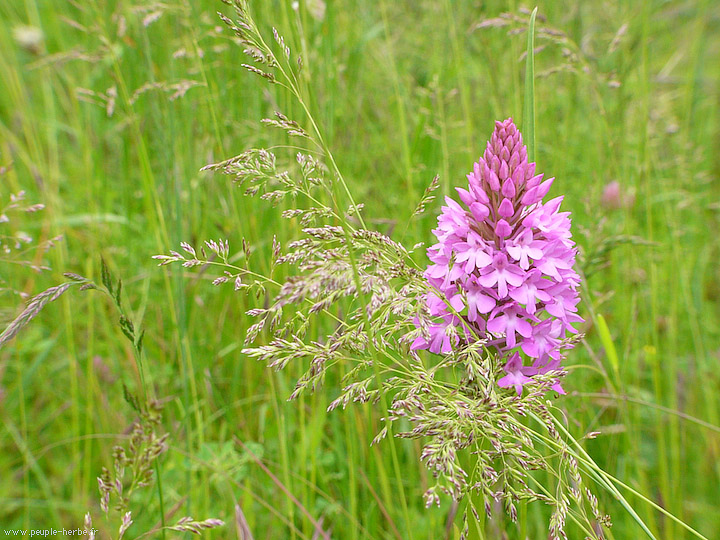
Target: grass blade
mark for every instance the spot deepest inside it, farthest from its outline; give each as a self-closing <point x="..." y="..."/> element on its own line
<point x="529" y="111"/>
<point x="608" y="344"/>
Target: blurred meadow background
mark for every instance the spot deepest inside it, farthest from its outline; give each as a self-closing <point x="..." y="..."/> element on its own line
<point x="109" y="109"/>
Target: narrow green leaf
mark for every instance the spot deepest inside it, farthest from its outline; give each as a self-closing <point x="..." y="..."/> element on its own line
<point x="607" y="343"/>
<point x="139" y="342"/>
<point x="529" y="112"/>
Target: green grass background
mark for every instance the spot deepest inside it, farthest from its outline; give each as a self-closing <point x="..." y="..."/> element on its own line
<point x="403" y="90"/>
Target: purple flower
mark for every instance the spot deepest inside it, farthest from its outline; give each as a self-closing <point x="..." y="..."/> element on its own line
<point x="474" y="251"/>
<point x="517" y="374"/>
<point x="531" y="291"/>
<point x="508" y="320"/>
<point x="478" y="299"/>
<point x="502" y="269"/>
<point x="523" y="247"/>
<point x="440" y="341"/>
<point x="501" y="273"/>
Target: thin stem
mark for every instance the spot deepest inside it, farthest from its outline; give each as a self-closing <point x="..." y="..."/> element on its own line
<point x="607" y="480"/>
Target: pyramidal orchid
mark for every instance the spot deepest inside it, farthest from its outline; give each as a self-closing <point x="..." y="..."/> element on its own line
<point x="504" y="265"/>
<point x="500" y="294"/>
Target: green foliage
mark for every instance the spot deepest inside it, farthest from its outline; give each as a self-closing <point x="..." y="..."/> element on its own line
<point x="108" y="118"/>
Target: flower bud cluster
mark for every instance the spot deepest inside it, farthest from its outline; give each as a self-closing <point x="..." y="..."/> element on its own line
<point x="503" y="265"/>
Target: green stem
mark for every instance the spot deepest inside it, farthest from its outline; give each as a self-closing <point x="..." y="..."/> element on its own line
<point x="529" y="112"/>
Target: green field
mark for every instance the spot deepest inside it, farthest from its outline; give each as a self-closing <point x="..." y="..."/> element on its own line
<point x="109" y="113"/>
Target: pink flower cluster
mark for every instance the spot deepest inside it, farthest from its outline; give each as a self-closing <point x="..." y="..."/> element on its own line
<point x="503" y="265"/>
